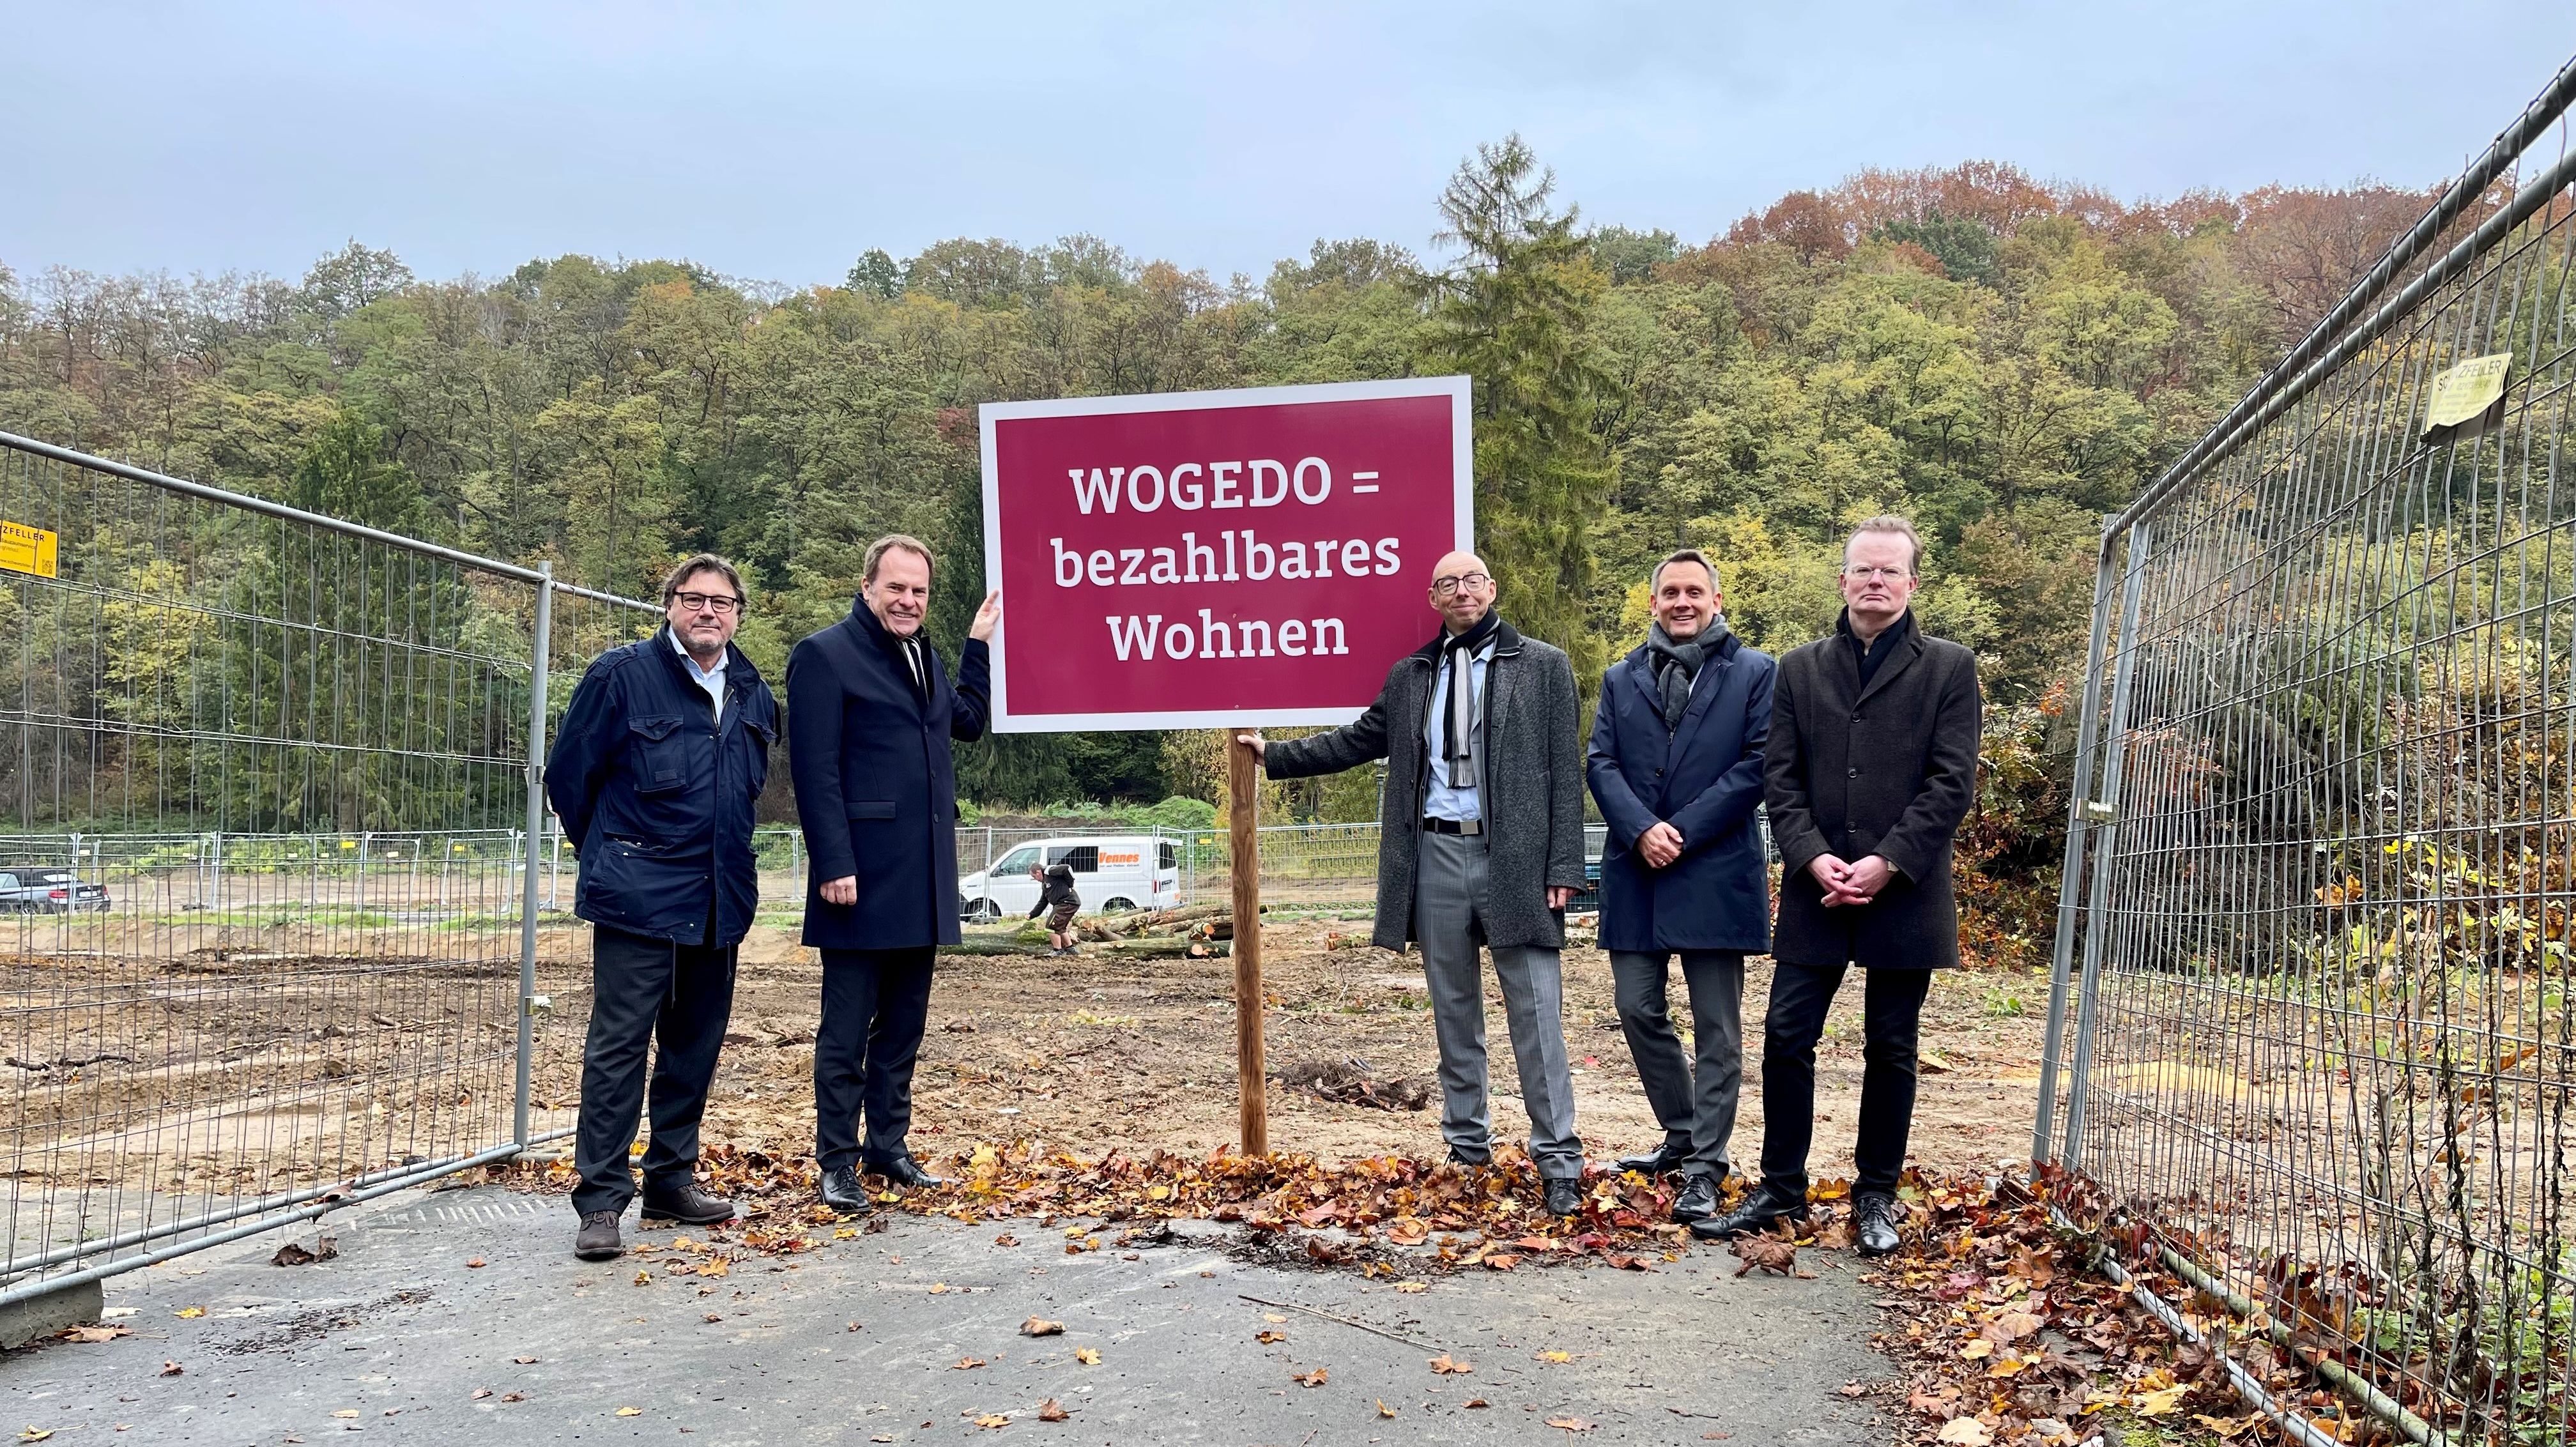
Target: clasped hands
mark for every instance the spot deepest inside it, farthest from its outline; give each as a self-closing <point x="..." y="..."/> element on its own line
<point x="1850" y="882"/>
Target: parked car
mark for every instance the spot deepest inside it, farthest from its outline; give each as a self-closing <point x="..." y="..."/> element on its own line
<point x="1111" y="872"/>
<point x="42" y="889"/>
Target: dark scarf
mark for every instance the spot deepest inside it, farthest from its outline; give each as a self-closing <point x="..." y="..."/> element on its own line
<point x="1458" y="740"/>
<point x="1677" y="665"/>
<point x="911" y="659"/>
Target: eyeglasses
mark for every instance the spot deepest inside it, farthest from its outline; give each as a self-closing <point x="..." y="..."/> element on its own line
<point x="1448" y="587"/>
<point x="707" y="602"/>
<point x="1874" y="575"/>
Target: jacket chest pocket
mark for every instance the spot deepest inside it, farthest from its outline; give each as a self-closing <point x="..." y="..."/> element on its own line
<point x="658" y="753"/>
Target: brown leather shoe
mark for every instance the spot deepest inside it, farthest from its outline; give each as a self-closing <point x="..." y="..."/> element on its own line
<point x="691" y="1205"/>
<point x="598" y="1240"/>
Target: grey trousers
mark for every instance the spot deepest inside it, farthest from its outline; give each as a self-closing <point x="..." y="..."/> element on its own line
<point x="1448" y="919"/>
<point x="1696" y="1108"/>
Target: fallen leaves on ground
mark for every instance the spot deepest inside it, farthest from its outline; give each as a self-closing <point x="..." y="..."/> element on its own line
<point x="1040" y="1326"/>
<point x="1383" y="1409"/>
<point x="96" y="1333"/>
<point x="1269" y="1338"/>
<point x="630" y="1411"/>
<point x="1367" y="1214"/>
<point x="993" y="1420"/>
<point x="171" y="1369"/>
<point x="1052" y="1410"/>
<point x="1771" y="1253"/>
<point x="1448" y="1366"/>
<point x="191" y="1313"/>
<point x="1088" y="1356"/>
<point x="1315" y="1378"/>
<point x="966" y="1364"/>
<point x="2014" y="1339"/>
<point x="326" y="1248"/>
<point x="1572" y="1424"/>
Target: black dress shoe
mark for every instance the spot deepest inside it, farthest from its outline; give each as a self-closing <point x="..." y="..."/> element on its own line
<point x="597" y="1239"/>
<point x="905" y="1171"/>
<point x="1466" y="1162"/>
<point x="1759" y="1213"/>
<point x="691" y="1205"/>
<point x="1665" y="1157"/>
<point x="1564" y="1196"/>
<point x="842" y="1192"/>
<point x="1698" y="1200"/>
<point x="1874" y="1219"/>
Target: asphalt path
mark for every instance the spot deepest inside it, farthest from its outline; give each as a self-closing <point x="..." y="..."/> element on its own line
<point x="911" y="1334"/>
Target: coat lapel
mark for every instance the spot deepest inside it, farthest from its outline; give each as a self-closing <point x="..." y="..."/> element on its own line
<point x="1897" y="663"/>
<point x="1712" y="677"/>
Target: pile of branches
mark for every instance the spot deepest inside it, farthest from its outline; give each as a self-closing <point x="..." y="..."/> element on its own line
<point x="1198" y="932"/>
<point x="1351" y="1081"/>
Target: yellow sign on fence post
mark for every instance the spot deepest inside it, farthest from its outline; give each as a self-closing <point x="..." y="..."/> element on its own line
<point x="26" y="550"/>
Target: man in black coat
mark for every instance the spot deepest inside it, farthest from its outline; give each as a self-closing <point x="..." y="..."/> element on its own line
<point x="1872" y="764"/>
<point x="870" y="712"/>
<point x="662" y="750"/>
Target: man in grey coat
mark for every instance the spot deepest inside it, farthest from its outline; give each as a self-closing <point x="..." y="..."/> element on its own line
<point x="1872" y="763"/>
<point x="1481" y="843"/>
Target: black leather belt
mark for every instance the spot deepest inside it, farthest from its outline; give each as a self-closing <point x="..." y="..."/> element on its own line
<point x="1454" y="826"/>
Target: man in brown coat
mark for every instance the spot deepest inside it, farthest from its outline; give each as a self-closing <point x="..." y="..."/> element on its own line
<point x="1872" y="763"/>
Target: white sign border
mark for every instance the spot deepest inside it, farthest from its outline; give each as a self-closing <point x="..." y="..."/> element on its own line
<point x="1462" y="448"/>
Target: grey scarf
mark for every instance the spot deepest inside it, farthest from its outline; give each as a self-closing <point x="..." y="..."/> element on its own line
<point x="1677" y="665"/>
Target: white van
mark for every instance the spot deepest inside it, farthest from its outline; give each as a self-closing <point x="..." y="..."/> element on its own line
<point x="1111" y="872"/>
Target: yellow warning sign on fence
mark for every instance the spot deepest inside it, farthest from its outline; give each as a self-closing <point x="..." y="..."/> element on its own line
<point x="26" y="550"/>
<point x="2463" y="394"/>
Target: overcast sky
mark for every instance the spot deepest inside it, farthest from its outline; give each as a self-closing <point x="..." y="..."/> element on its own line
<point x="778" y="140"/>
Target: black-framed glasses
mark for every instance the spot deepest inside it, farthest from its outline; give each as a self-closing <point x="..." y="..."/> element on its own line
<point x="1447" y="587"/>
<point x="1873" y="575"/>
<point x="707" y="602"/>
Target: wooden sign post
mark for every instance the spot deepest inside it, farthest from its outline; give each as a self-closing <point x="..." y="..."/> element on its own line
<point x="1243" y="788"/>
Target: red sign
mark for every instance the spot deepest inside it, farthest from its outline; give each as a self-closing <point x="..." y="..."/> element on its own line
<point x="1218" y="559"/>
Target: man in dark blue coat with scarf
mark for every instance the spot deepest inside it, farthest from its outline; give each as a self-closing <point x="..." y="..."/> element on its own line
<point x="1676" y="764"/>
<point x="870" y="713"/>
<point x="662" y="750"/>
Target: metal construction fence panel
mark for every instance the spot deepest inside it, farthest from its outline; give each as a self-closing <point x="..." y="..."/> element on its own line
<point x="265" y="803"/>
<point x="2313" y="1036"/>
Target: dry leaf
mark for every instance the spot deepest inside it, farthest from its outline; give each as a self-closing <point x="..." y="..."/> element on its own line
<point x="1475" y="1402"/>
<point x="1852" y="1389"/>
<point x="476" y="1264"/>
<point x="966" y="1364"/>
<point x="2160" y="1403"/>
<point x="1448" y="1366"/>
<point x="1560" y="1358"/>
<point x="96" y="1333"/>
<point x="1006" y="1239"/>
<point x="171" y="1369"/>
<point x="1965" y="1432"/>
<point x="1040" y="1326"/>
<point x="1768" y="1252"/>
<point x="346" y="1412"/>
<point x="1978" y="1349"/>
<point x="192" y="1312"/>
<point x="1411" y="1288"/>
<point x="1052" y="1410"/>
<point x="1572" y="1424"/>
<point x="35" y="1434"/>
<point x="1267" y="1338"/>
<point x="1315" y="1378"/>
<point x="525" y="1361"/>
<point x="1088" y="1356"/>
<point x="514" y="1396"/>
<point x="630" y="1411"/>
<point x="993" y="1419"/>
<point x="1383" y="1409"/>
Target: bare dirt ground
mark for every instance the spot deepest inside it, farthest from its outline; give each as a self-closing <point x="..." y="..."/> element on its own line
<point x="1094" y="1053"/>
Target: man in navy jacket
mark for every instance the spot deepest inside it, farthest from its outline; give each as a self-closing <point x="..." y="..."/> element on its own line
<point x="1676" y="763"/>
<point x="653" y="773"/>
<point x="870" y="712"/>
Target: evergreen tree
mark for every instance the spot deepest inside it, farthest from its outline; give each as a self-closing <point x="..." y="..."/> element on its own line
<point x="1515" y="312"/>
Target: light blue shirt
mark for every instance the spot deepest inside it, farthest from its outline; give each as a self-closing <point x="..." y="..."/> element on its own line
<point x="1440" y="801"/>
<point x="710" y="679"/>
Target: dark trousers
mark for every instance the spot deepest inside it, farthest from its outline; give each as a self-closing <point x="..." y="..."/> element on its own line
<point x="875" y="1003"/>
<point x="1696" y="1107"/>
<point x="644" y="991"/>
<point x="1891" y="1017"/>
